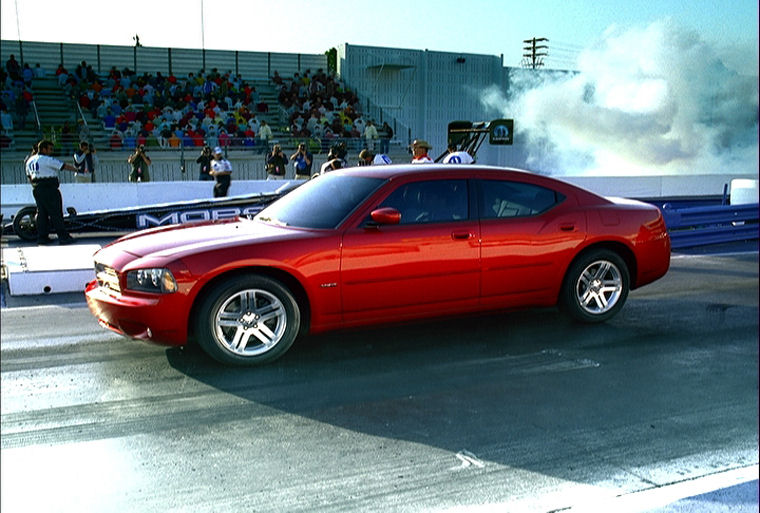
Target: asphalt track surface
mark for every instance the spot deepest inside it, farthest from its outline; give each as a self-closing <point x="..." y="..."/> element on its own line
<point x="519" y="411"/>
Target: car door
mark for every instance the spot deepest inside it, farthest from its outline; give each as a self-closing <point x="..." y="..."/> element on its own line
<point x="425" y="265"/>
<point x="527" y="239"/>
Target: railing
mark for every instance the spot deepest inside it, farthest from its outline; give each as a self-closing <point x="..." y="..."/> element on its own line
<point x="81" y="112"/>
<point x="178" y="164"/>
<point x="37" y="117"/>
<point x="703" y="226"/>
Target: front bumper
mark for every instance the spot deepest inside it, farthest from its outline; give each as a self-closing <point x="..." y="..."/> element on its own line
<point x="159" y="318"/>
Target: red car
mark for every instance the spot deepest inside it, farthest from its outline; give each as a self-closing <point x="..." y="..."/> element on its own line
<point x="376" y="245"/>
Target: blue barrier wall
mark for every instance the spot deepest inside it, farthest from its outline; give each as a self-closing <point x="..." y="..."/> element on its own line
<point x="713" y="224"/>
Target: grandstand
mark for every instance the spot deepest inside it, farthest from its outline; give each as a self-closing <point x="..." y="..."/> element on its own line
<point x="74" y="85"/>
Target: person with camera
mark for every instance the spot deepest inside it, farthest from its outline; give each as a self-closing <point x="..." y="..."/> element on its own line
<point x="205" y="159"/>
<point x="221" y="170"/>
<point x="139" y="161"/>
<point x="302" y="160"/>
<point x="85" y="160"/>
<point x="276" y="164"/>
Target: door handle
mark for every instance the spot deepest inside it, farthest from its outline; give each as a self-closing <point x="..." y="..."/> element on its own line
<point x="461" y="235"/>
<point x="567" y="227"/>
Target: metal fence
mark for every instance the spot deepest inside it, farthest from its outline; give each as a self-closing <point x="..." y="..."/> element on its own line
<point x="179" y="164"/>
<point x="179" y="61"/>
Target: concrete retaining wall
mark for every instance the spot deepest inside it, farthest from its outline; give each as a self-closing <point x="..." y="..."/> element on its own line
<point x="96" y="196"/>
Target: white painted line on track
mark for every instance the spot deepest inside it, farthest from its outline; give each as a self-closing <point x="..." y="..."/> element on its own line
<point x="667" y="494"/>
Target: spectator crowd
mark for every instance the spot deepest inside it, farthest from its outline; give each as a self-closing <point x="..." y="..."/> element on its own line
<point x="15" y="97"/>
<point x="216" y="109"/>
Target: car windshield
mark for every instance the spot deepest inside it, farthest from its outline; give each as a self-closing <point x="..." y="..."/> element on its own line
<point x="320" y="203"/>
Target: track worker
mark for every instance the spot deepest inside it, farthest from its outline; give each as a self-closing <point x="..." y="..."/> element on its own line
<point x="457" y="157"/>
<point x="221" y="170"/>
<point x="42" y="171"/>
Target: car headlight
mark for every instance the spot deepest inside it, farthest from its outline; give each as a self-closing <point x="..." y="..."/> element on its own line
<point x="151" y="280"/>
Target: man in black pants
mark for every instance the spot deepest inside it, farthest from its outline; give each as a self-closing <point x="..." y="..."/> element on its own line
<point x="221" y="170"/>
<point x="42" y="171"/>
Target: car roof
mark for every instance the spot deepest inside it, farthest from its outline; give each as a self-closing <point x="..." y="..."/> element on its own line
<point x="458" y="171"/>
<point x="398" y="170"/>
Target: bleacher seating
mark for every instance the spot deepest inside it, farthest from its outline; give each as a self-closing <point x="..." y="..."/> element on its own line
<point x="76" y="105"/>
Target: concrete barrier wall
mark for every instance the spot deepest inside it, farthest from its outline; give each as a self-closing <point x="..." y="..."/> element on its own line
<point x="85" y="197"/>
<point x="97" y="196"/>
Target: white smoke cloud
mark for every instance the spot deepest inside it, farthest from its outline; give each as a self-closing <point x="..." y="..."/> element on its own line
<point x="652" y="100"/>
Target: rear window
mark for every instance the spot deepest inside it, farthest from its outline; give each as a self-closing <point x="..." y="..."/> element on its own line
<point x="501" y="199"/>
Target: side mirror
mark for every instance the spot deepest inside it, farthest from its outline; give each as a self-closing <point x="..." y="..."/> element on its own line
<point x="386" y="215"/>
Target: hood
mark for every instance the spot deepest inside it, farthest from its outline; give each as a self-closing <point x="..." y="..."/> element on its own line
<point x="177" y="240"/>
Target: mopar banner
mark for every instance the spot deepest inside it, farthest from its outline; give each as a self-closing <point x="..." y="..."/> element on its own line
<point x="500" y="131"/>
<point x="24" y="224"/>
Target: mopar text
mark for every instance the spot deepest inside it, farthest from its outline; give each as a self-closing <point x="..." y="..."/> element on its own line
<point x="191" y="216"/>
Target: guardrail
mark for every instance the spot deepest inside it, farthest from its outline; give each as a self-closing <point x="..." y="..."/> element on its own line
<point x="703" y="226"/>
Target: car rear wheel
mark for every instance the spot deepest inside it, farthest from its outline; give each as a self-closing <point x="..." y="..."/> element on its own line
<point x="596" y="286"/>
<point x="247" y="320"/>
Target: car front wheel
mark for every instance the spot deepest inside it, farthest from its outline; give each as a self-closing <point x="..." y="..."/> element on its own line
<point x="247" y="320"/>
<point x="596" y="286"/>
<point x="25" y="224"/>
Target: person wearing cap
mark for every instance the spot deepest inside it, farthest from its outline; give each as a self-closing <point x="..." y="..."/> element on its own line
<point x="420" y="152"/>
<point x="139" y="161"/>
<point x="457" y="157"/>
<point x="221" y="170"/>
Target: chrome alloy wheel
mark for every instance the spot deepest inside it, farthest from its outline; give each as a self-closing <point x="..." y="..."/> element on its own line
<point x="599" y="287"/>
<point x="250" y="322"/>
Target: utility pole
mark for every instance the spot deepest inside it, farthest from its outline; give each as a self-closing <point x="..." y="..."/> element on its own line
<point x="535" y="52"/>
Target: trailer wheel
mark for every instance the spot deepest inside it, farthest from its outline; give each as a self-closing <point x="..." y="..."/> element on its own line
<point x="25" y="224"/>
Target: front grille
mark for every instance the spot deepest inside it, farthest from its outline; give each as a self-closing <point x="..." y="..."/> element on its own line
<point x="107" y="277"/>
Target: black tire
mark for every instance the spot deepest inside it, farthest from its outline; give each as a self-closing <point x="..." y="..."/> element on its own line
<point x="25" y="224"/>
<point x="596" y="286"/>
<point x="247" y="320"/>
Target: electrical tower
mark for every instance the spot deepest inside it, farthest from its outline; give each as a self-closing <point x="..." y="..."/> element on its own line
<point x="534" y="52"/>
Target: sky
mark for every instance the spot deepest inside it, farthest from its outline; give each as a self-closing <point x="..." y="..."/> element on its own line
<point x="662" y="87"/>
<point x="492" y="27"/>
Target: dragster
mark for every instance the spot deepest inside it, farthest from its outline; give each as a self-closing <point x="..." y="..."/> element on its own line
<point x="24" y="223"/>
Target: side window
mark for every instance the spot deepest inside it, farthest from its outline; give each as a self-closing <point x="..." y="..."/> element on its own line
<point x="501" y="198"/>
<point x="433" y="201"/>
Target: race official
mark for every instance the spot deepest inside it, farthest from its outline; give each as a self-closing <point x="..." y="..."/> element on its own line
<point x="42" y="170"/>
<point x="221" y="170"/>
<point x="458" y="157"/>
<point x="420" y="152"/>
<point x="368" y="158"/>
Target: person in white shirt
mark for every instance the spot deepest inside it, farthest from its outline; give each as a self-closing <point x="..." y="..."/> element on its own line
<point x="368" y="158"/>
<point x="42" y="171"/>
<point x="420" y="152"/>
<point x="221" y="170"/>
<point x="458" y="157"/>
<point x="371" y="135"/>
